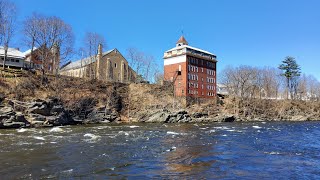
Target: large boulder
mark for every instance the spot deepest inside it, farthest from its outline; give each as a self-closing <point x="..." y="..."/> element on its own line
<point x="61" y="119"/>
<point x="158" y="117"/>
<point x="165" y="116"/>
<point x="11" y="119"/>
<point x="42" y="109"/>
<point x="102" y="115"/>
<point x="5" y="110"/>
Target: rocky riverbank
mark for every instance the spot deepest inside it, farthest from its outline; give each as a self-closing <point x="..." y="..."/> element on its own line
<point x="51" y="112"/>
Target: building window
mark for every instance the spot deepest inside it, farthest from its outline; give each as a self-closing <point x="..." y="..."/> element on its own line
<point x="115" y="65"/>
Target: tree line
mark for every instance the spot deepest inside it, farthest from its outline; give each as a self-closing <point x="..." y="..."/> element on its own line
<point x="51" y="37"/>
<point x="283" y="82"/>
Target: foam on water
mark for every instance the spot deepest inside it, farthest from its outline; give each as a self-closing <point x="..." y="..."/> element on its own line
<point x="273" y="153"/>
<point x="134" y="126"/>
<point x="21" y="130"/>
<point x="211" y="131"/>
<point x="175" y="133"/>
<point x="92" y="136"/>
<point x="222" y="128"/>
<point x="257" y="127"/>
<point x="125" y="133"/>
<point x="39" y="138"/>
<point x="56" y="129"/>
<point x="231" y="130"/>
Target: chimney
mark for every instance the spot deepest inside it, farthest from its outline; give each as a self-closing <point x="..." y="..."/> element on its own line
<point x="100" y="49"/>
<point x="99" y="58"/>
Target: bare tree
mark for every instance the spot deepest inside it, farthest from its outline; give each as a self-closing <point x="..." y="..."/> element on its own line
<point x="53" y="37"/>
<point x="136" y="59"/>
<point x="91" y="43"/>
<point x="30" y="30"/>
<point x="8" y="13"/>
<point x="144" y="65"/>
<point x="271" y="81"/>
<point x="313" y="85"/>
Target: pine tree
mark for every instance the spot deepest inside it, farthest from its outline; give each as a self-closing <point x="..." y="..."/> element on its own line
<point x="291" y="70"/>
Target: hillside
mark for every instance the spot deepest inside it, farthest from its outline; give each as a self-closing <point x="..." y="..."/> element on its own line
<point x="90" y="101"/>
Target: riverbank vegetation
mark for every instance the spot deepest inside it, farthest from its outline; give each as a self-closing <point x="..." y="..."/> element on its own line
<point x="282" y="93"/>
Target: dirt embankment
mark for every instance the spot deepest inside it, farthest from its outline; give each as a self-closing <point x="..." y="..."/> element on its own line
<point x="90" y="101"/>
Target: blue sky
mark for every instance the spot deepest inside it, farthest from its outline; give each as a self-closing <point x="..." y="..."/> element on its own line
<point x="246" y="32"/>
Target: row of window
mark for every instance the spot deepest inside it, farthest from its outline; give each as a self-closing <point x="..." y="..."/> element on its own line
<point x="200" y="54"/>
<point x="210" y="72"/>
<point x="210" y="94"/>
<point x="11" y="59"/>
<point x="210" y="80"/>
<point x="196" y="85"/>
<point x="193" y="68"/>
<point x="195" y="92"/>
<point x="209" y="87"/>
<point x="211" y="65"/>
<point x="193" y="77"/>
<point x="192" y="60"/>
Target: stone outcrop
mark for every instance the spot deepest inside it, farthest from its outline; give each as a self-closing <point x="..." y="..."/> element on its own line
<point x="38" y="113"/>
<point x="11" y="119"/>
<point x="182" y="116"/>
<point x="102" y="115"/>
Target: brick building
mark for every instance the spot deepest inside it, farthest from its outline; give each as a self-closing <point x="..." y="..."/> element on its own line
<point x="191" y="70"/>
<point x="35" y="60"/>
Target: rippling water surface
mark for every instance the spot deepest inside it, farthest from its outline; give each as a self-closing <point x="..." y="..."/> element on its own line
<point x="269" y="150"/>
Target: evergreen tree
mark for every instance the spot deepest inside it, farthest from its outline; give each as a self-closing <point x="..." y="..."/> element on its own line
<point x="291" y="71"/>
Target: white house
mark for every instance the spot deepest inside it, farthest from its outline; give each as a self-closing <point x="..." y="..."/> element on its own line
<point x="15" y="58"/>
<point x="222" y="89"/>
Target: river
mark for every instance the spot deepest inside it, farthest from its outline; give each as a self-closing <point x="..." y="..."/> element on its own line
<point x="259" y="150"/>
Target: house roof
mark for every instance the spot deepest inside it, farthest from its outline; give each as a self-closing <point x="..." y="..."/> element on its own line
<point x="83" y="62"/>
<point x="29" y="51"/>
<point x="182" y="40"/>
<point x="12" y="52"/>
<point x="190" y="47"/>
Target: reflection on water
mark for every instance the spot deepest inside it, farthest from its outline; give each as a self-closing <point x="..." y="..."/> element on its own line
<point x="143" y="151"/>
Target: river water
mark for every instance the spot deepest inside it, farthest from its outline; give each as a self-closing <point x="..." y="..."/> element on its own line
<point x="260" y="150"/>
